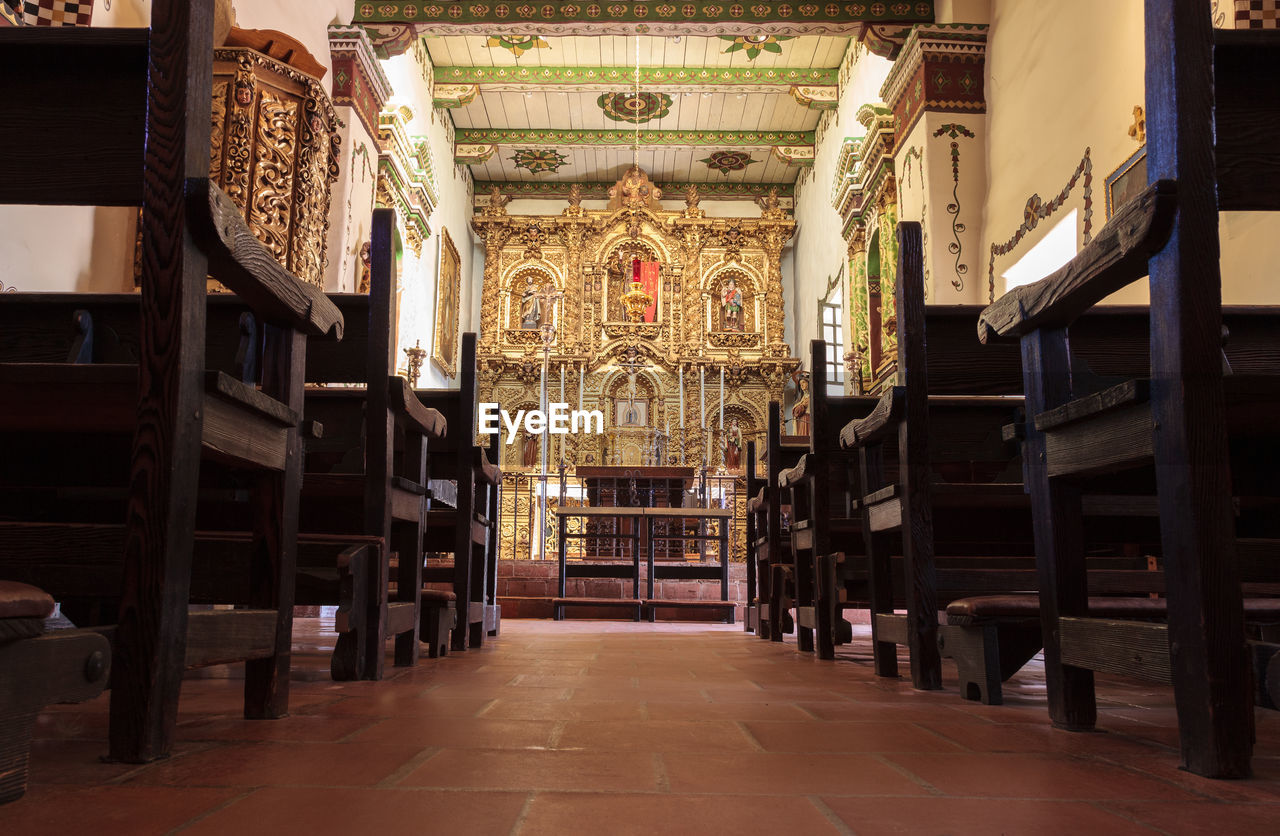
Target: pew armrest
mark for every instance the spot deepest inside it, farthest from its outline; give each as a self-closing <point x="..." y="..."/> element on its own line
<point x="882" y="420"/>
<point x="242" y="263"/>
<point x="1115" y="258"/>
<point x="424" y="419"/>
<point x="486" y="471"/>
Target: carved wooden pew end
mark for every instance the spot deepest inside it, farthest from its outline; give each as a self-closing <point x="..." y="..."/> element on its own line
<point x="39" y="668"/>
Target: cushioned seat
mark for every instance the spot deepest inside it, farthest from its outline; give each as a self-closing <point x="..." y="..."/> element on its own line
<point x="20" y="600"/>
<point x="978" y="608"/>
<point x="439" y="596"/>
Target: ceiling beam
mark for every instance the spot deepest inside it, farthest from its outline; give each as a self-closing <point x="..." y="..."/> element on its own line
<point x="557" y="138"/>
<point x="600" y="189"/>
<point x="501" y="79"/>
<point x="677" y="17"/>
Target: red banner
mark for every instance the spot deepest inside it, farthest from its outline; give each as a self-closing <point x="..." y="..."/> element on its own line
<point x="649" y="281"/>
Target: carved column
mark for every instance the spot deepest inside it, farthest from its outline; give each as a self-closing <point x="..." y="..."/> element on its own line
<point x="859" y="316"/>
<point x="495" y="236"/>
<point x="888" y="221"/>
<point x="772" y="238"/>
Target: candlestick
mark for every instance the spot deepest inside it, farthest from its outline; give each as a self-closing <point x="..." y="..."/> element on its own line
<point x="722" y="398"/>
<point x="702" y="394"/>
<point x="682" y="397"/>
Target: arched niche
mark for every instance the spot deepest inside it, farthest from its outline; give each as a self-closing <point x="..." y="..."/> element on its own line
<point x="727" y="286"/>
<point x="616" y="263"/>
<point x="524" y="309"/>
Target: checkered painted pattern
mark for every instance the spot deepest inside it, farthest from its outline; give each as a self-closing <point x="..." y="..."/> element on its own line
<point x="57" y="12"/>
<point x="1258" y="14"/>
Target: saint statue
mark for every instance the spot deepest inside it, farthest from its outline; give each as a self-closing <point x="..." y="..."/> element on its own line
<point x="733" y="446"/>
<point x="530" y="309"/>
<point x="529" y="455"/>
<point x="800" y="409"/>
<point x="731" y="306"/>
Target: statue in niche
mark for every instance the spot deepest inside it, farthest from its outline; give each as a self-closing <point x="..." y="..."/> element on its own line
<point x="733" y="446"/>
<point x="529" y="454"/>
<point x="731" y="307"/>
<point x="530" y="308"/>
<point x="800" y="409"/>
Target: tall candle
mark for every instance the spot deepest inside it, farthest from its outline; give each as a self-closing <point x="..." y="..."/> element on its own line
<point x="702" y="394"/>
<point x="682" y="397"/>
<point x="562" y="383"/>
<point x="722" y="398"/>
<point x="582" y="377"/>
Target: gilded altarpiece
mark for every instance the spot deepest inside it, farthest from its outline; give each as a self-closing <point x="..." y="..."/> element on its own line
<point x="719" y="308"/>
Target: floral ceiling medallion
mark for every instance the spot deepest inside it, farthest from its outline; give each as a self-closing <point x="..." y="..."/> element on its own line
<point x="635" y="108"/>
<point x="727" y="161"/>
<point x="753" y="45"/>
<point x="539" y="160"/>
<point x="517" y="45"/>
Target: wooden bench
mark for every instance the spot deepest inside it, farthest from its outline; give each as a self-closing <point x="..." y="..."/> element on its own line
<point x="464" y="494"/>
<point x="367" y="473"/>
<point x="39" y="668"/>
<point x="1204" y="142"/>
<point x="769" y="542"/>
<point x="823" y="510"/>
<point x="633" y="534"/>
<point x="148" y="98"/>
<point x="687" y="571"/>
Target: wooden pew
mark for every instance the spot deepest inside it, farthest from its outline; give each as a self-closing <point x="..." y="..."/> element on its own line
<point x="464" y="485"/>
<point x="771" y="545"/>
<point x="148" y="96"/>
<point x="367" y="474"/>
<point x="822" y="510"/>
<point x="1203" y="142"/>
<point x="39" y="668"/>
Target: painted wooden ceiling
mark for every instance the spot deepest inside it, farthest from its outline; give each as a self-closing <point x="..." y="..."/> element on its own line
<point x="725" y="110"/>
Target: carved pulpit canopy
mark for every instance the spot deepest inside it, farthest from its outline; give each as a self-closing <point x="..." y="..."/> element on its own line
<point x="635" y="191"/>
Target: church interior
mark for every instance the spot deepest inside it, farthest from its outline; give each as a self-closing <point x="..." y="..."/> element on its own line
<point x="920" y="368"/>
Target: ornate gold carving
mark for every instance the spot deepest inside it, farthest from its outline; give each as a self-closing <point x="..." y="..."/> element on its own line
<point x="275" y="151"/>
<point x="733" y="339"/>
<point x="645" y="330"/>
<point x="271" y="202"/>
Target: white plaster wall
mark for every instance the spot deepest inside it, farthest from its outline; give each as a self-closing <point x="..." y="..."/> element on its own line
<point x="819" y="249"/>
<point x="419" y="277"/>
<point x="1046" y="105"/>
<point x="351" y="209"/>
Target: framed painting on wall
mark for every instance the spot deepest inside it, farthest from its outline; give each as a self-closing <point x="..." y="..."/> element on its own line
<point x="1127" y="182"/>
<point x="448" y="293"/>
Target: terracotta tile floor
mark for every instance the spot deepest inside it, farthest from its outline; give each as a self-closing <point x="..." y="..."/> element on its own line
<point x="609" y="727"/>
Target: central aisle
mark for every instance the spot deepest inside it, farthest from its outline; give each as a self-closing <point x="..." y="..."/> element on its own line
<point x="602" y="728"/>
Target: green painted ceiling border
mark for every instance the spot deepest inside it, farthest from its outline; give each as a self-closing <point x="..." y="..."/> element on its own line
<point x="598" y="190"/>
<point x="649" y="76"/>
<point x="718" y="17"/>
<point x="669" y="139"/>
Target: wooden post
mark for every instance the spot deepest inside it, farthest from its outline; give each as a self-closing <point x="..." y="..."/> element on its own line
<point x="1056" y="509"/>
<point x="914" y="473"/>
<point x="150" y="647"/>
<point x="1206" y="619"/>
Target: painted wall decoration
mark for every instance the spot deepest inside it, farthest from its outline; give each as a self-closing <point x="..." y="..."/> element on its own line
<point x="539" y="160"/>
<point x="727" y="161"/>
<point x="956" y="247"/>
<point x="1037" y="210"/>
<point x="753" y="45"/>
<point x="635" y="108"/>
<point x="517" y="45"/>
<point x="448" y="295"/>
